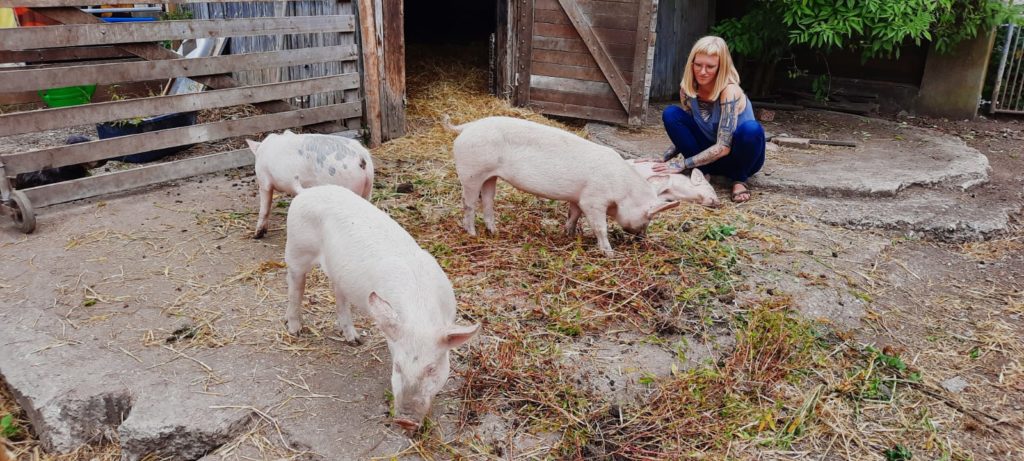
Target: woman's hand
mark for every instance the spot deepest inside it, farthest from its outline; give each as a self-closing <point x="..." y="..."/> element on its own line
<point x="667" y="168"/>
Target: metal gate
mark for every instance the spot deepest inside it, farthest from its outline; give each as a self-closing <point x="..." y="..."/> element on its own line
<point x="1008" y="92"/>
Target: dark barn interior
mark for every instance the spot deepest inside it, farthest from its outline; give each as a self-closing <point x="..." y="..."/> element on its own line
<point x="451" y="29"/>
<point x="451" y="22"/>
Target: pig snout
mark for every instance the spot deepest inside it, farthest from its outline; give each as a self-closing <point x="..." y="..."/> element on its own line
<point x="638" y="231"/>
<point x="407" y="425"/>
<point x="412" y="410"/>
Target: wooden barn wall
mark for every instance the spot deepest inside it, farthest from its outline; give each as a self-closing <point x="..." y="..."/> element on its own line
<point x="288" y="42"/>
<point x="561" y="67"/>
<point x="680" y="24"/>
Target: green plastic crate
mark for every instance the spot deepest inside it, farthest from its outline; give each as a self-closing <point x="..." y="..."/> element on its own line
<point x="67" y="96"/>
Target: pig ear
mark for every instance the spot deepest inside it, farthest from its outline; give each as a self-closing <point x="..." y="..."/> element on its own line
<point x="696" y="177"/>
<point x="253" y="145"/>
<point x="459" y="334"/>
<point x="384" y="315"/>
<point x="658" y="208"/>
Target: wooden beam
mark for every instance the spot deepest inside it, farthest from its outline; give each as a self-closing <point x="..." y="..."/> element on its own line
<point x="575" y="111"/>
<point x="72" y="154"/>
<point x="40" y="120"/>
<point x="391" y="33"/>
<point x="154" y="52"/>
<point x="597" y="49"/>
<point x="572" y="85"/>
<point x="24" y="38"/>
<point x="524" y="48"/>
<point x="371" y="69"/>
<point x="92" y="186"/>
<point x="642" y="62"/>
<point x="63" y="54"/>
<point x="56" y="77"/>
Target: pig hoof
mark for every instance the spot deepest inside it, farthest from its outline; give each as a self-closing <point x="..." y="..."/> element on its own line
<point x="355" y="342"/>
<point x="259" y="233"/>
<point x="294" y="327"/>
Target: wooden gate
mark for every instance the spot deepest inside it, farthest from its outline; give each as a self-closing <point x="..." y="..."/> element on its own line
<point x="131" y="52"/>
<point x="588" y="59"/>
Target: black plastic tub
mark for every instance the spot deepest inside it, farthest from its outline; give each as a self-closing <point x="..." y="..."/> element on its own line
<point x="162" y="122"/>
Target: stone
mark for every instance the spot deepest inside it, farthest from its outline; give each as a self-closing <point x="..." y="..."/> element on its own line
<point x="795" y="143"/>
<point x="956" y="384"/>
<point x="175" y="425"/>
<point x="75" y="398"/>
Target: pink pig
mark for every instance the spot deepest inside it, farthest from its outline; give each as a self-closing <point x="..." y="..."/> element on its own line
<point x="692" y="189"/>
<point x="375" y="265"/>
<point x="291" y="162"/>
<point x="554" y="164"/>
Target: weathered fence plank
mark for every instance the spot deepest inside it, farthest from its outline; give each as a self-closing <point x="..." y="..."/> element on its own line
<point x="92" y="186"/>
<point x="63" y="54"/>
<point x="126" y="145"/>
<point x="47" y="119"/>
<point x="54" y="77"/>
<point x="132" y="32"/>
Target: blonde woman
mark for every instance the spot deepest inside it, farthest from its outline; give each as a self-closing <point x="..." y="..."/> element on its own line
<point x="715" y="128"/>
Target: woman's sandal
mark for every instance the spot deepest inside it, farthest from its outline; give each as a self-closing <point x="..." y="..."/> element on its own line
<point x="736" y="195"/>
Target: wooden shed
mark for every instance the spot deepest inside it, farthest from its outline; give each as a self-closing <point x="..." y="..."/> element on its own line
<point x="589" y="59"/>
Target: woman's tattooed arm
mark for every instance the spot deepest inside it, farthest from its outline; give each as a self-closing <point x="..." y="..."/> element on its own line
<point x="726" y="126"/>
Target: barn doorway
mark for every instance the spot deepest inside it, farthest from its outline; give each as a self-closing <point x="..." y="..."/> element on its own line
<point x="452" y="32"/>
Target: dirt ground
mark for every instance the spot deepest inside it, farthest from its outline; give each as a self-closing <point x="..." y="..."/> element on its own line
<point x="956" y="309"/>
<point x="736" y="333"/>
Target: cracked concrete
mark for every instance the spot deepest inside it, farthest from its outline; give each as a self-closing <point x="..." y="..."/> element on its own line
<point x="89" y="350"/>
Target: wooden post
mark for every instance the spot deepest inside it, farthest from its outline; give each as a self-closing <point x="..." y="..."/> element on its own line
<point x="371" y="70"/>
<point x="524" y="45"/>
<point x="391" y="34"/>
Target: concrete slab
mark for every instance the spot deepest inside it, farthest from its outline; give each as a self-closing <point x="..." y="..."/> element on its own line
<point x="940" y="214"/>
<point x="877" y="167"/>
<point x="90" y="304"/>
<point x="40" y="364"/>
<point x="881" y="165"/>
<point x="898" y="177"/>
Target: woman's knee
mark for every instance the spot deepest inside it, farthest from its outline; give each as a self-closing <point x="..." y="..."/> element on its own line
<point x="749" y="132"/>
<point x="672" y="114"/>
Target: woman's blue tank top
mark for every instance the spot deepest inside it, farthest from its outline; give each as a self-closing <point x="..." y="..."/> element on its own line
<point x="710" y="127"/>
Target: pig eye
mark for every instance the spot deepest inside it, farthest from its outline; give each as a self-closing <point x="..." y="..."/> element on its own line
<point x="430" y="370"/>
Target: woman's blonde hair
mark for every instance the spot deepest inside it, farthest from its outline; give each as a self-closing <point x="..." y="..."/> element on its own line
<point x="711" y="46"/>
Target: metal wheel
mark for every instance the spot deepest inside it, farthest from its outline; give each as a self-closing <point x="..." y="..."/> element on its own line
<point x="22" y="212"/>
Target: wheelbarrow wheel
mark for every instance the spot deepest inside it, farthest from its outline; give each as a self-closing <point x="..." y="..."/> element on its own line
<point x="22" y="212"/>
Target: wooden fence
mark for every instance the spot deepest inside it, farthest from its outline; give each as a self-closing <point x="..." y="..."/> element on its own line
<point x="317" y="72"/>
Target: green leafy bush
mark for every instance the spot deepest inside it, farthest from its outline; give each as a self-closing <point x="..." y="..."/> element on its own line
<point x="770" y="29"/>
<point x="876" y="28"/>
